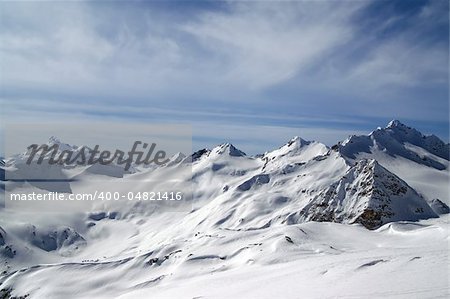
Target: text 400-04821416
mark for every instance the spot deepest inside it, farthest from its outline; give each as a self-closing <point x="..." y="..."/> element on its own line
<point x="155" y="196"/>
<point x="142" y="196"/>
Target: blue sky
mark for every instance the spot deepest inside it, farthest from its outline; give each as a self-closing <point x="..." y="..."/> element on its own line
<point x="254" y="73"/>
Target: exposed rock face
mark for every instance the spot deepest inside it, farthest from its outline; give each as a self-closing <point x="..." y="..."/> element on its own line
<point x="257" y="180"/>
<point x="370" y="195"/>
<point x="439" y="207"/>
<point x="2" y="236"/>
<point x="63" y="239"/>
<point x="199" y="154"/>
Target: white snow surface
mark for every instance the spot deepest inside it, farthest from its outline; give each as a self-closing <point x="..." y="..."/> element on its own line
<point x="359" y="220"/>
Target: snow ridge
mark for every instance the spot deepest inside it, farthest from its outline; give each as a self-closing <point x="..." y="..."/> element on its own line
<point x="307" y="210"/>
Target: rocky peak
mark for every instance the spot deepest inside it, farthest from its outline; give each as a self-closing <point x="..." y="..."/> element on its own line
<point x="228" y="148"/>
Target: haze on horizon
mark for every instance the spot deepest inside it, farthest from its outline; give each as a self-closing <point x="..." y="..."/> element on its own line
<point x="251" y="73"/>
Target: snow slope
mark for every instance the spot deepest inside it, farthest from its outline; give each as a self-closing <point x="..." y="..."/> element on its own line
<point x="422" y="161"/>
<point x="313" y="260"/>
<point x="304" y="220"/>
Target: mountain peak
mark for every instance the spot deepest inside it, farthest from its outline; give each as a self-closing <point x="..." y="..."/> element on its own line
<point x="397" y="139"/>
<point x="229" y="149"/>
<point x="368" y="194"/>
<point x="54" y="140"/>
<point x="394" y="124"/>
<point x="297" y="141"/>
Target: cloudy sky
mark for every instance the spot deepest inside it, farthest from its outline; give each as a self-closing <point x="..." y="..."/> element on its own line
<point x="254" y="73"/>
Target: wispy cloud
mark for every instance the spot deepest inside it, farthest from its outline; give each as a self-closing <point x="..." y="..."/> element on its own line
<point x="263" y="44"/>
<point x="285" y="64"/>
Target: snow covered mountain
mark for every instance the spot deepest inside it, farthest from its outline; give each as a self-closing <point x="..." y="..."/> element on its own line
<point x="422" y="161"/>
<point x="303" y="181"/>
<point x="368" y="194"/>
<point x="399" y="140"/>
<point x="302" y="200"/>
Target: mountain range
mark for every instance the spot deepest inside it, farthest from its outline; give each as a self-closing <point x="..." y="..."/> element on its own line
<point x="239" y="206"/>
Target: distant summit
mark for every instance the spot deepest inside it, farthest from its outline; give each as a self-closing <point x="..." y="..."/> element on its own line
<point x="228" y="148"/>
<point x="395" y="123"/>
<point x="397" y="139"/>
